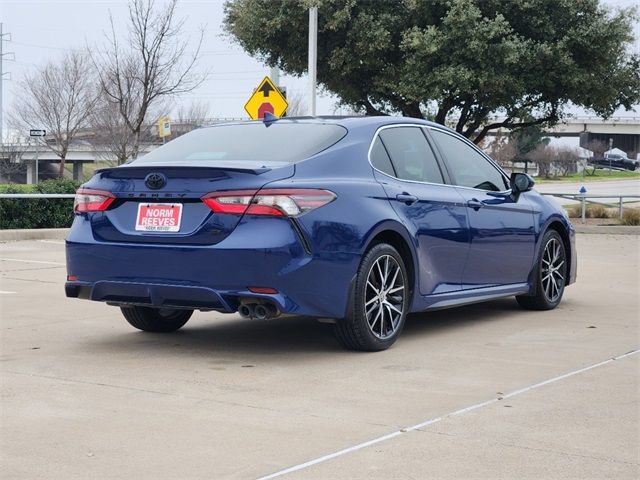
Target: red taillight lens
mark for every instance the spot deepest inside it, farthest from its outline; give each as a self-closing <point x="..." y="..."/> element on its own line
<point x="88" y="200"/>
<point x="285" y="202"/>
<point x="267" y="290"/>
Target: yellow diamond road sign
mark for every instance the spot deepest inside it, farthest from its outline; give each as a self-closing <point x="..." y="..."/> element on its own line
<point x="266" y="98"/>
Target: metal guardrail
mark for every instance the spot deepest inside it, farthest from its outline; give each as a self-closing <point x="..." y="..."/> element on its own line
<point x="37" y="195"/>
<point x="583" y="199"/>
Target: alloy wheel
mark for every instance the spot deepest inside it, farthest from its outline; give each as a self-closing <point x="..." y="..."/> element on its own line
<point x="553" y="270"/>
<point x="384" y="297"/>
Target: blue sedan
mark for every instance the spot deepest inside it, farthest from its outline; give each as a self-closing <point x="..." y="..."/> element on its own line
<point x="356" y="221"/>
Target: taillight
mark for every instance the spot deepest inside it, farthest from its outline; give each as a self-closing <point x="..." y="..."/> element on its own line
<point x="285" y="202"/>
<point x="88" y="200"/>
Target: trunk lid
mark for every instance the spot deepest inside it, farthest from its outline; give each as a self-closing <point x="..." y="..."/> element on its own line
<point x="184" y="183"/>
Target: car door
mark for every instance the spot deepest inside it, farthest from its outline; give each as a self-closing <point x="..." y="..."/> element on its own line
<point x="501" y="225"/>
<point x="405" y="164"/>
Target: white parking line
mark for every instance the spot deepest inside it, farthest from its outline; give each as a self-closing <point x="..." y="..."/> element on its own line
<point x="31" y="261"/>
<point x="56" y="242"/>
<point x="461" y="411"/>
<point x="6" y="292"/>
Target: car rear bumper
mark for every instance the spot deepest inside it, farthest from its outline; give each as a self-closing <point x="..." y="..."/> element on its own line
<point x="149" y="294"/>
<point x="213" y="277"/>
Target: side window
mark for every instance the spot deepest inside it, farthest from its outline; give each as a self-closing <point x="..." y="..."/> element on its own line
<point x="468" y="167"/>
<point x="411" y="154"/>
<point x="380" y="158"/>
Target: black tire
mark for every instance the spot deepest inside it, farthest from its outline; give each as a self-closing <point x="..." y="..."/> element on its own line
<point x="549" y="286"/>
<point x="360" y="330"/>
<point x="157" y="320"/>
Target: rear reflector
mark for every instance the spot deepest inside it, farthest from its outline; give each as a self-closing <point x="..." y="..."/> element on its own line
<point x="88" y="200"/>
<point x="262" y="290"/>
<point x="72" y="278"/>
<point x="286" y="202"/>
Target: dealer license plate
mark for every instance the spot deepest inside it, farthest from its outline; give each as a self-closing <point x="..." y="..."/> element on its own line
<point x="159" y="217"/>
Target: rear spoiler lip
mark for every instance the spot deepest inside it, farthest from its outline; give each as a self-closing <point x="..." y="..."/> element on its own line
<point x="252" y="167"/>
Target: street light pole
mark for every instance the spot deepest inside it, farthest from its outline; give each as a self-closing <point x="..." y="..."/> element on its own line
<point x="37" y="134"/>
<point x="313" y="58"/>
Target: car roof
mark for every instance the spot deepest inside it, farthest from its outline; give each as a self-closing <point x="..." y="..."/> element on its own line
<point x="346" y="121"/>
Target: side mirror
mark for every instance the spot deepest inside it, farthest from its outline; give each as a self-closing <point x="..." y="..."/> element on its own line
<point x="521" y="182"/>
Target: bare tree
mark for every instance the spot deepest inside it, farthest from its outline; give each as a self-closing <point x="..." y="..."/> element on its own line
<point x="598" y="147"/>
<point x="111" y="138"/>
<point x="554" y="160"/>
<point x="501" y="150"/>
<point x="543" y="156"/>
<point x="190" y="117"/>
<point x="566" y="161"/>
<point x="150" y="66"/>
<point x="57" y="98"/>
<point x="297" y="106"/>
<point x="196" y="113"/>
<point x="11" y="158"/>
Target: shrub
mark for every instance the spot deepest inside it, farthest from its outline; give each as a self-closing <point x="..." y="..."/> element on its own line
<point x="593" y="211"/>
<point x="38" y="213"/>
<point x="597" y="211"/>
<point x="17" y="188"/>
<point x="631" y="216"/>
<point x="574" y="211"/>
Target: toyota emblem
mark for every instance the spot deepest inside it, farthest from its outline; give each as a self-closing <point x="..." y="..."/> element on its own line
<point x="154" y="181"/>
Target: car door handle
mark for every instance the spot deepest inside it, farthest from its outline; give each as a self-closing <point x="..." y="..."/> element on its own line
<point x="406" y="198"/>
<point x="475" y="204"/>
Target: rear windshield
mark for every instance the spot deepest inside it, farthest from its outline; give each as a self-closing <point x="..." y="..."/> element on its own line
<point x="278" y="143"/>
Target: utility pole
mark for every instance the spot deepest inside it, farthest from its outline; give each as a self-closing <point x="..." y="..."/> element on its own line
<point x="2" y="72"/>
<point x="37" y="157"/>
<point x="313" y="58"/>
<point x="274" y="75"/>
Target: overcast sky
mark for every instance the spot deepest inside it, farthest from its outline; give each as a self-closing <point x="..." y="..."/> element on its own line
<point x="43" y="29"/>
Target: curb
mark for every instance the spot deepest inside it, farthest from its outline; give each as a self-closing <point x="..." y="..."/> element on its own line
<point x="33" y="234"/>
<point x="607" y="229"/>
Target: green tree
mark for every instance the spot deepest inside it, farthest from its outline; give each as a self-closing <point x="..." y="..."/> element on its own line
<point x="467" y="62"/>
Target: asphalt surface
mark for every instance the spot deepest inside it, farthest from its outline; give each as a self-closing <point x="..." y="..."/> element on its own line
<point x="484" y="391"/>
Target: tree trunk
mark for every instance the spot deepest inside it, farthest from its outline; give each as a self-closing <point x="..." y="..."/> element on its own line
<point x="62" y="163"/>
<point x="412" y="109"/>
<point x="136" y="144"/>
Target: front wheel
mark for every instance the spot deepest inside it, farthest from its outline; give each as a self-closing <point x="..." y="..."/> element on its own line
<point x="549" y="276"/>
<point x="157" y="320"/>
<point x="379" y="302"/>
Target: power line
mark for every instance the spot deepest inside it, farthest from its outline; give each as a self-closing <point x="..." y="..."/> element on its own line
<point x="204" y="53"/>
<point x="47" y="47"/>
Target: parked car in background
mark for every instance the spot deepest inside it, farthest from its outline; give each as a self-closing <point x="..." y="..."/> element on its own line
<point x="357" y="221"/>
<point x="616" y="161"/>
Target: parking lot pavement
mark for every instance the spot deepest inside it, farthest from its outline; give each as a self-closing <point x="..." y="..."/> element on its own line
<point x="86" y="396"/>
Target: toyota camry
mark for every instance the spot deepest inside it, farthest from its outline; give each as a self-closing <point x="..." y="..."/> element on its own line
<point x="355" y="221"/>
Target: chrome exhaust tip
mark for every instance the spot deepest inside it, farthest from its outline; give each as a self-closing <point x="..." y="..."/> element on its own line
<point x="265" y="311"/>
<point x="246" y="310"/>
<point x="261" y="312"/>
